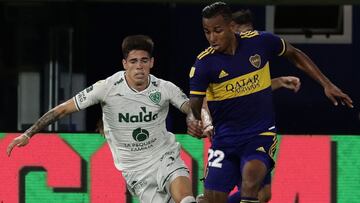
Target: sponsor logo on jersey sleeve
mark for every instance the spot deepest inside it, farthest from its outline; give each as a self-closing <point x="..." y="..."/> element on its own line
<point x="89" y="89"/>
<point x="81" y="97"/>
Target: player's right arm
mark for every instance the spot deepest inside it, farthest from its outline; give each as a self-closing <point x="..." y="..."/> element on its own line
<point x="91" y="95"/>
<point x="48" y="118"/>
<point x="199" y="81"/>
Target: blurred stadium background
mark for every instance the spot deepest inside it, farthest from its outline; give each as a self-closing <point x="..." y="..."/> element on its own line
<point x="50" y="50"/>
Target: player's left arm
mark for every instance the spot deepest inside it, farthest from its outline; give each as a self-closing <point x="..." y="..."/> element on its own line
<point x="303" y="62"/>
<point x="288" y="82"/>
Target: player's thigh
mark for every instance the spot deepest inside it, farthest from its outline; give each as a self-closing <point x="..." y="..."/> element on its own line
<point x="173" y="176"/>
<point x="143" y="185"/>
<point x="257" y="159"/>
<point x="222" y="173"/>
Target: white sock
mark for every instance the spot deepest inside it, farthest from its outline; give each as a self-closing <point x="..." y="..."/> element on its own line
<point x="188" y="199"/>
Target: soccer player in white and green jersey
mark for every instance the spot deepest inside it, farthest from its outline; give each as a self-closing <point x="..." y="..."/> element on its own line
<point x="135" y="105"/>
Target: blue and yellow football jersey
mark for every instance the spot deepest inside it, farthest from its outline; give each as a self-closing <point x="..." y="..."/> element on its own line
<point x="238" y="87"/>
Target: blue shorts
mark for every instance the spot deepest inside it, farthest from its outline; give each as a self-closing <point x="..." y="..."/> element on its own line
<point x="225" y="164"/>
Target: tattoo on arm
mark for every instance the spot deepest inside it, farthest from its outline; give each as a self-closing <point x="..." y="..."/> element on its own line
<point x="47" y="119"/>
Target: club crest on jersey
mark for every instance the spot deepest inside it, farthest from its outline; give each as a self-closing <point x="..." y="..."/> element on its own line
<point x="255" y="60"/>
<point x="155" y="97"/>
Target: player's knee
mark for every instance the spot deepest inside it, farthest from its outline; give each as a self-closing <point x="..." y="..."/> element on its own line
<point x="265" y="197"/>
<point x="250" y="185"/>
<point x="265" y="194"/>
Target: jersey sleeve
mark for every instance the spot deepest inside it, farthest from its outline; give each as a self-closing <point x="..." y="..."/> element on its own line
<point x="199" y="78"/>
<point x="176" y="95"/>
<point x="91" y="95"/>
<point x="275" y="44"/>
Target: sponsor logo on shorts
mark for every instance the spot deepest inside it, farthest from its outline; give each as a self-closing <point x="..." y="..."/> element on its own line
<point x="261" y="149"/>
<point x="138" y="186"/>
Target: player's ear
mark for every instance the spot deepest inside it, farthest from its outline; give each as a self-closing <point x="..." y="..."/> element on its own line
<point x="124" y="64"/>
<point x="233" y="26"/>
<point x="152" y="60"/>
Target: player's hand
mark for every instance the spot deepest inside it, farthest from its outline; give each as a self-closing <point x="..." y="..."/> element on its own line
<point x="19" y="141"/>
<point x="336" y="95"/>
<point x="208" y="131"/>
<point x="194" y="127"/>
<point x="291" y="82"/>
<point x="100" y="127"/>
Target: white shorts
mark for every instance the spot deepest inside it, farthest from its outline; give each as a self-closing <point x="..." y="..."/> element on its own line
<point x="152" y="184"/>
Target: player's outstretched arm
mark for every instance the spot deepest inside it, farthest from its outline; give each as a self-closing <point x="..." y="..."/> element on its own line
<point x="48" y="118"/>
<point x="288" y="82"/>
<point x="302" y="61"/>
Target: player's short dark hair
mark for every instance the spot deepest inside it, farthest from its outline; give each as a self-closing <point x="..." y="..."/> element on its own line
<point x="243" y="17"/>
<point x="137" y="42"/>
<point x="217" y="8"/>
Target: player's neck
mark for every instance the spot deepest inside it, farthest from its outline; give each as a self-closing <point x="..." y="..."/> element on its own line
<point x="232" y="47"/>
<point x="137" y="87"/>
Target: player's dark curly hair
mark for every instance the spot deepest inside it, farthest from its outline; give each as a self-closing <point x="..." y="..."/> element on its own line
<point x="243" y="17"/>
<point x="137" y="42"/>
<point x="217" y="8"/>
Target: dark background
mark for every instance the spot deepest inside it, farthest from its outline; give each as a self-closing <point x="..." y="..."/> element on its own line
<point x="176" y="30"/>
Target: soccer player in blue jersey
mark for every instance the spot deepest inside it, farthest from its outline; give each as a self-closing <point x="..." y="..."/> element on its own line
<point x="233" y="74"/>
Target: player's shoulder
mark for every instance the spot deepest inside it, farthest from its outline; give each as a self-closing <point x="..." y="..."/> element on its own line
<point x="158" y="82"/>
<point x="205" y="54"/>
<point x="109" y="82"/>
<point x="115" y="79"/>
<point x="255" y="34"/>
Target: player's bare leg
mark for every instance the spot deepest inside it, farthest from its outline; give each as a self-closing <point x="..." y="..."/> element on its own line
<point x="253" y="174"/>
<point x="181" y="190"/>
<point x="264" y="194"/>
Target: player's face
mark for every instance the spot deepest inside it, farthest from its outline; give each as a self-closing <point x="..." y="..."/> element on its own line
<point x="137" y="65"/>
<point x="218" y="32"/>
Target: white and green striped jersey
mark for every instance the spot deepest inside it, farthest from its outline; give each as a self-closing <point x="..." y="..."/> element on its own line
<point x="134" y="122"/>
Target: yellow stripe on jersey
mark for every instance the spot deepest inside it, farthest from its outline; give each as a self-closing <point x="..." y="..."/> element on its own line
<point x="249" y="34"/>
<point x="207" y="51"/>
<point x="192" y="72"/>
<point x="283" y="49"/>
<point x="240" y="86"/>
<point x="268" y="134"/>
<point x="197" y="93"/>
